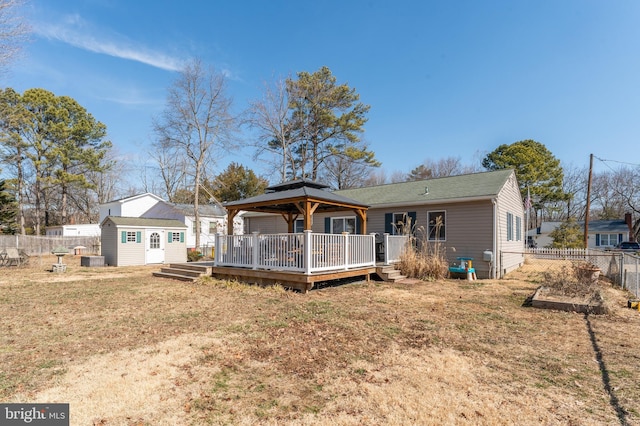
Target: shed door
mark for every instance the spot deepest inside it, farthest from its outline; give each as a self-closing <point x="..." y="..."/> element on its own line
<point x="155" y="246"/>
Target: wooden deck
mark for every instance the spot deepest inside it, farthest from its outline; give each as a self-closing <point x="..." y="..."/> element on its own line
<point x="288" y="279"/>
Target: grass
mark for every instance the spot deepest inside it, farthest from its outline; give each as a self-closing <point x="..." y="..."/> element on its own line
<point x="123" y="347"/>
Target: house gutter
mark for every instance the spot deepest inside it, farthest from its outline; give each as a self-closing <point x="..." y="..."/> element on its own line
<point x="435" y="201"/>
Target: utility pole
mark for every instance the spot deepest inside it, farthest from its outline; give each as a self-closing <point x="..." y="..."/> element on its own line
<point x="586" y="215"/>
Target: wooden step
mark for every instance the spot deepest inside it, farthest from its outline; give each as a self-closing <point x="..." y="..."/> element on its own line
<point x="182" y="271"/>
<point x="174" y="276"/>
<point x="389" y="273"/>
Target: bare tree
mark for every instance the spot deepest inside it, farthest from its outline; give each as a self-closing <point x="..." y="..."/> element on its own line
<point x="196" y="120"/>
<point x="376" y="177"/>
<point x="270" y="116"/>
<point x="13" y="31"/>
<point x="172" y="165"/>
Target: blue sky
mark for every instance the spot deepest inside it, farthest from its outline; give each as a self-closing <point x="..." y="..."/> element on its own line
<point x="443" y="78"/>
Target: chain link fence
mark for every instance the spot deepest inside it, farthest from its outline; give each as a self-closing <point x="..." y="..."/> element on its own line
<point x="623" y="269"/>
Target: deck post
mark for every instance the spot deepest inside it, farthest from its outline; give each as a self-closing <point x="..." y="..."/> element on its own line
<point x="307" y="252"/>
<point x="216" y="249"/>
<point x="345" y="235"/>
<point x="386" y="248"/>
<point x="255" y="249"/>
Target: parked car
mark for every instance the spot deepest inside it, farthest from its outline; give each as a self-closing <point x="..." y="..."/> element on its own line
<point x="632" y="246"/>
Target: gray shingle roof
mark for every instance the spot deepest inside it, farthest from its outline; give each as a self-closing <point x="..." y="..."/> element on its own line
<point x="143" y="221"/>
<point x="283" y="198"/>
<point x="474" y="185"/>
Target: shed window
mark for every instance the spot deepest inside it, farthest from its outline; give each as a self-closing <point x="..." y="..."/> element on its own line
<point x="518" y="228"/>
<point x="175" y="237"/>
<point x="437" y="226"/>
<point x="131" y="237"/>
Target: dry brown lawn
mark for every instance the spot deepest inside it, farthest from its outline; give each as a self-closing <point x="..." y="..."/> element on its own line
<point x="124" y="348"/>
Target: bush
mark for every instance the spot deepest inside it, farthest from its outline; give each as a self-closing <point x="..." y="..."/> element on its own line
<point x="423" y="259"/>
<point x="193" y="255"/>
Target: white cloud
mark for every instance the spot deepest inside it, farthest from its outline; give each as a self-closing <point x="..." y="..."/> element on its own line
<point x="74" y="31"/>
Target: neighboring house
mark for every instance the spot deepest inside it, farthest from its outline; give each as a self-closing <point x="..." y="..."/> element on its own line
<point x="134" y="206"/>
<point x="212" y="220"/>
<point x="80" y="230"/>
<point x="212" y="216"/>
<point x="478" y="215"/>
<point x="602" y="234"/>
<point x="128" y="241"/>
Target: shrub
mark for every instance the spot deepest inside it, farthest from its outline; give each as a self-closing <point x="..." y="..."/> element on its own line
<point x="193" y="255"/>
<point x="423" y="259"/>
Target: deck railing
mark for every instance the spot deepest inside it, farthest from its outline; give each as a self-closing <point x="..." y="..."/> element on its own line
<point x="394" y="246"/>
<point x="306" y="252"/>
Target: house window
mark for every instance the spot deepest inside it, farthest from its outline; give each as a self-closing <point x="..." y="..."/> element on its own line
<point x="509" y="226"/>
<point x="437" y="226"/>
<point x="298" y="226"/>
<point x="131" y="237"/>
<point x="607" y="239"/>
<point x="213" y="228"/>
<point x="343" y="224"/>
<point x="401" y="224"/>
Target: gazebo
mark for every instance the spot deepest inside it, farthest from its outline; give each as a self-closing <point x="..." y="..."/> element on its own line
<point x="295" y="260"/>
<point x="294" y="199"/>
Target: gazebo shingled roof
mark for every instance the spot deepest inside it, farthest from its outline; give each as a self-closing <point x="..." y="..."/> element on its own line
<point x="294" y="198"/>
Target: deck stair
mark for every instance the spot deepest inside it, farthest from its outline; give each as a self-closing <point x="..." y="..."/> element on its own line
<point x="184" y="271"/>
<point x="389" y="273"/>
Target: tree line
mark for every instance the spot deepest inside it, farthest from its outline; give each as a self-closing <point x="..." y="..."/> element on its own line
<point x="59" y="166"/>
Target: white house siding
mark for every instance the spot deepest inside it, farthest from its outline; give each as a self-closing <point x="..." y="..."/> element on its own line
<point x="509" y="253"/>
<point x="129" y="207"/>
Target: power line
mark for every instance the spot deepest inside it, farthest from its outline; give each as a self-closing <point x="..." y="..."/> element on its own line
<point x="618" y="162"/>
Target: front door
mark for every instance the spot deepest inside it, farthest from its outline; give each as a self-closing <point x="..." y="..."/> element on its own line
<point x="155" y="246"/>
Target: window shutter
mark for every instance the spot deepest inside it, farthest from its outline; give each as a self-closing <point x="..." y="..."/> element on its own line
<point x="358" y="225"/>
<point x="182" y="237"/>
<point x="620" y="237"/>
<point x="169" y="237"/>
<point x="388" y="227"/>
<point x="327" y="225"/>
<point x="138" y="237"/>
<point x="123" y="237"/>
<point x="597" y="240"/>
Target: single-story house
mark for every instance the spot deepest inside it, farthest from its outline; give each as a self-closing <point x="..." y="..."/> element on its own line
<point x="602" y="234"/>
<point x="78" y="230"/>
<point x="478" y="216"/>
<point x="128" y="241"/>
<point x="212" y="220"/>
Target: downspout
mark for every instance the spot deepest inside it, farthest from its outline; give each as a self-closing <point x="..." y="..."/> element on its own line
<point x="496" y="258"/>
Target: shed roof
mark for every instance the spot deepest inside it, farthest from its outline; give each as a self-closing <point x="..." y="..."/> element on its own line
<point x="144" y="222"/>
<point x="468" y="186"/>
